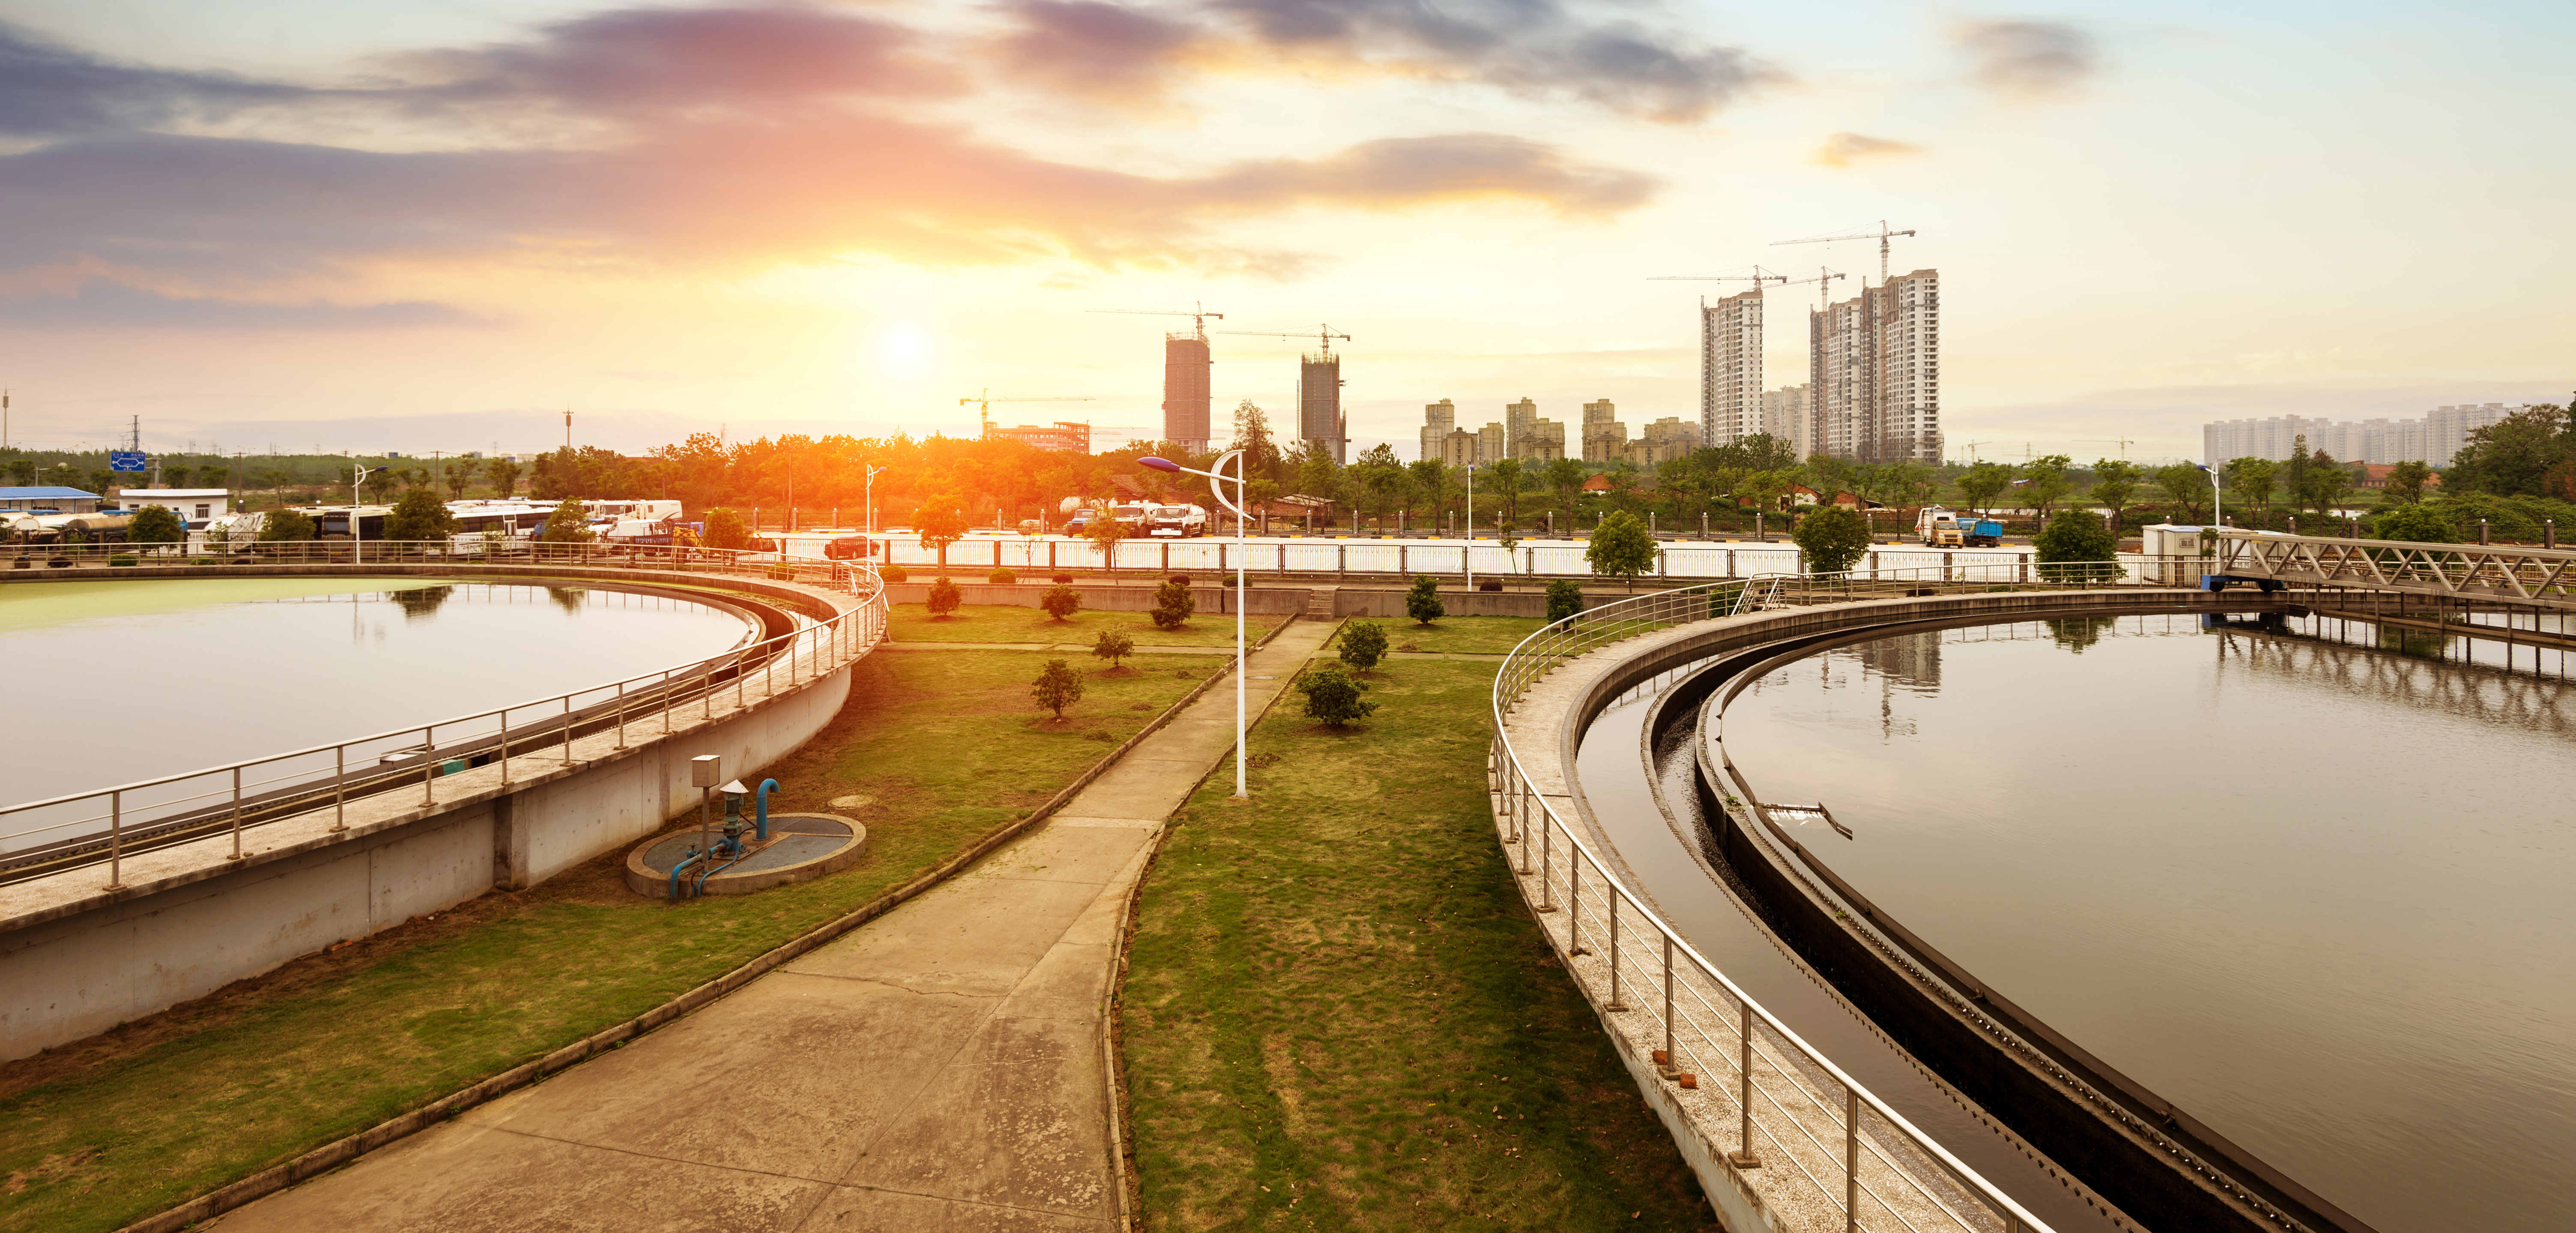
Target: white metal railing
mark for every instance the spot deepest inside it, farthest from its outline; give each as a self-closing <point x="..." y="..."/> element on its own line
<point x="2539" y="576"/>
<point x="1822" y="1141"/>
<point x="1455" y="558"/>
<point x="45" y="837"/>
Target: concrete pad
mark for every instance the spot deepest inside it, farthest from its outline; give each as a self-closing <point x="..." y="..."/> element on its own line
<point x="1089" y="855"/>
<point x="974" y="936"/>
<point x="476" y="1180"/>
<point x="1026" y="1128"/>
<point x="853" y="1209"/>
<point x="1072" y="982"/>
<point x="1140" y="823"/>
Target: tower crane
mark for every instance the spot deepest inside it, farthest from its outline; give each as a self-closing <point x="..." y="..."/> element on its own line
<point x="1824" y="281"/>
<point x="2123" y="442"/>
<point x="1198" y="314"/>
<point x="1324" y="335"/>
<point x="1971" y="447"/>
<point x="983" y="404"/>
<point x="1758" y="277"/>
<point x="1881" y="235"/>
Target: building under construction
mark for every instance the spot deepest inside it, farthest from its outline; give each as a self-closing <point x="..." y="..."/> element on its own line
<point x="1185" y="390"/>
<point x="1066" y="436"/>
<point x="1319" y="403"/>
<point x="1874" y="373"/>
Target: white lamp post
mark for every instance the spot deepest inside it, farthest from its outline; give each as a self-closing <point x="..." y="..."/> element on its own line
<point x="1215" y="486"/>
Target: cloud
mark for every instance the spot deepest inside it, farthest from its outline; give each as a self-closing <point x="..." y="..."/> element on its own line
<point x="2030" y="59"/>
<point x="1844" y="149"/>
<point x="47" y="90"/>
<point x="101" y="303"/>
<point x="1093" y="50"/>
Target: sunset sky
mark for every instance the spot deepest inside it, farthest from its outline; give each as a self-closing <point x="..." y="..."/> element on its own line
<point x="421" y="225"/>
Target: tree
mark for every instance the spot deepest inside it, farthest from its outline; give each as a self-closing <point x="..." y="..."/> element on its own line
<point x="1831" y="538"/>
<point x="285" y="525"/>
<point x="2077" y="546"/>
<point x="725" y="530"/>
<point x="2509" y="457"/>
<point x="2046" y="481"/>
<point x="1057" y="687"/>
<point x="1173" y="604"/>
<point x="568" y="524"/>
<point x="1564" y="599"/>
<point x="1113" y="645"/>
<point x="2185" y="485"/>
<point x="2115" y="483"/>
<point x="1106" y="532"/>
<point x="505" y="477"/>
<point x="944" y="597"/>
<point x="1422" y="601"/>
<point x="2406" y="483"/>
<point x="156" y="524"/>
<point x="1382" y="481"/>
<point x="1363" y="644"/>
<point x="2322" y="487"/>
<point x="940" y="524"/>
<point x="1332" y="696"/>
<point x="420" y="517"/>
<point x="1061" y="602"/>
<point x="1252" y="436"/>
<point x="2250" y="479"/>
<point x="460" y="476"/>
<point x="1431" y="485"/>
<point x="1564" y="477"/>
<point x="1505" y="479"/>
<point x="1981" y="484"/>
<point x="2414" y="523"/>
<point x="1620" y="547"/>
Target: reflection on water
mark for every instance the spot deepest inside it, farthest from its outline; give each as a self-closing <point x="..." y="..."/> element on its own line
<point x="149" y="678"/>
<point x="2314" y="892"/>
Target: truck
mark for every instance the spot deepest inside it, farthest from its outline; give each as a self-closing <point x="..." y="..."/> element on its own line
<point x="1177" y="521"/>
<point x="1950" y="528"/>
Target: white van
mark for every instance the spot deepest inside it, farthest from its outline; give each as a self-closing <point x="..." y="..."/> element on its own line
<point x="1176" y="521"/>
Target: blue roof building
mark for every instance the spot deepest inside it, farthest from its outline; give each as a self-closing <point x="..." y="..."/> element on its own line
<point x="50" y="496"/>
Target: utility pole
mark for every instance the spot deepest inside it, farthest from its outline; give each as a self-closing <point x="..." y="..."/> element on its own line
<point x="567" y="430"/>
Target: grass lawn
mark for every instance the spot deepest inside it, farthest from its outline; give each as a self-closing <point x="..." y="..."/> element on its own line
<point x="1339" y="1015"/>
<point x="105" y="1131"/>
<point x="1489" y="635"/>
<point x="1006" y="623"/>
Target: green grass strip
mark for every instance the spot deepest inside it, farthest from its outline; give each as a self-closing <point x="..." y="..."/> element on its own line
<point x="1007" y="623"/>
<point x="1339" y="1015"/>
<point x="103" y="1132"/>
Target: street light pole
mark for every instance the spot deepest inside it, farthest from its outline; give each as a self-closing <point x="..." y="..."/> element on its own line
<point x="1469" y="555"/>
<point x="1215" y="481"/>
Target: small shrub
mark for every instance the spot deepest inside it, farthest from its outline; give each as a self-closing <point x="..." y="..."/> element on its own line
<point x="1113" y="645"/>
<point x="1173" y="604"/>
<point x="1564" y="599"/>
<point x="1102" y="735"/>
<point x="1422" y="602"/>
<point x="1833" y="539"/>
<point x="1057" y="687"/>
<point x="1061" y="602"/>
<point x="120" y="559"/>
<point x="1489" y="584"/>
<point x="945" y="598"/>
<point x="1001" y="575"/>
<point x="1183" y="579"/>
<point x="1363" y="644"/>
<point x="1332" y="696"/>
<point x="1185" y="674"/>
<point x="1062" y="580"/>
<point x="892" y="573"/>
<point x="2077" y="546"/>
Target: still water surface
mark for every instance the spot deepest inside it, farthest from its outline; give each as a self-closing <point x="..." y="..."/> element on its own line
<point x="113" y="682"/>
<point x="2318" y="895"/>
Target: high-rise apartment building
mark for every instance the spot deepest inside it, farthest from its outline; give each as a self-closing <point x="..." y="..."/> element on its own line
<point x="1604" y="437"/>
<point x="1529" y="437"/>
<point x="1185" y="390"/>
<point x="1874" y="373"/>
<point x="1786" y="416"/>
<point x="1319" y="404"/>
<point x="1439" y="419"/>
<point x="1730" y="367"/>
<point x="1490" y="443"/>
<point x="2433" y="438"/>
<point x="1461" y="448"/>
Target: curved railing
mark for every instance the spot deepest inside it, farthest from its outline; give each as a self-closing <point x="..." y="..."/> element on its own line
<point x="1821" y="1149"/>
<point x="104" y="826"/>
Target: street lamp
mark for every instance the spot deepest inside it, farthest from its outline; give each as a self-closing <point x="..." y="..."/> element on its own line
<point x="873" y="473"/>
<point x="1215" y="479"/>
<point x="2217" y="511"/>
<point x="1468" y="560"/>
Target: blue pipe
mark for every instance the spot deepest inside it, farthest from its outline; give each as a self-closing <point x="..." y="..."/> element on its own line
<point x="675" y="873"/>
<point x="762" y="802"/>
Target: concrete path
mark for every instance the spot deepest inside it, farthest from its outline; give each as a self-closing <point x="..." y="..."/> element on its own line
<point x="939" y="1068"/>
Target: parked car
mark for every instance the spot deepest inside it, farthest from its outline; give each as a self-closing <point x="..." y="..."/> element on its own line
<point x="1176" y="521"/>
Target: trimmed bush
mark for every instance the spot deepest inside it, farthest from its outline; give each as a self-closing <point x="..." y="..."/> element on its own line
<point x="1001" y="575"/>
<point x="1062" y="580"/>
<point x="1057" y="687"/>
<point x="2077" y="546"/>
<point x="1363" y="644"/>
<point x="1061" y="602"/>
<point x="892" y="573"/>
<point x="945" y="597"/>
<point x="1422" y="601"/>
<point x="1113" y="645"/>
<point x="1173" y="603"/>
<point x="1564" y="599"/>
<point x="120" y="560"/>
<point x="1832" y="539"/>
<point x="1332" y="696"/>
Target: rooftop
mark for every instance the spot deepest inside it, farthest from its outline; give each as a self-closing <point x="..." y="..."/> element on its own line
<point x="45" y="492"/>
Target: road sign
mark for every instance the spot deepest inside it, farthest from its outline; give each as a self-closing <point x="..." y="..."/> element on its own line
<point x="126" y="460"/>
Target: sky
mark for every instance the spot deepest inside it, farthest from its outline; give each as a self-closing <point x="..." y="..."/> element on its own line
<point x="438" y="224"/>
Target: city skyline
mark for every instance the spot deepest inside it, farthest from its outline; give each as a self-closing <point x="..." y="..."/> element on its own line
<point x="829" y="219"/>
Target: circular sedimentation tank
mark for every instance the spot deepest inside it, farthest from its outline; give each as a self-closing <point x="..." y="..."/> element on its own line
<point x="801" y="847"/>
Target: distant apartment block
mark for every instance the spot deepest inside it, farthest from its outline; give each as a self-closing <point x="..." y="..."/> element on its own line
<point x="2434" y="438"/>
<point x="1785" y="415"/>
<point x="1604" y="437"/>
<point x="1439" y="419"/>
<point x="1319" y="404"/>
<point x="1730" y="367"/>
<point x="1185" y="390"/>
<point x="1663" y="441"/>
<point x="1874" y="373"/>
<point x="1532" y="439"/>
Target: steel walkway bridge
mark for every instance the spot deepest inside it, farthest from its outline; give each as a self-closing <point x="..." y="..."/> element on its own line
<point x="2506" y="574"/>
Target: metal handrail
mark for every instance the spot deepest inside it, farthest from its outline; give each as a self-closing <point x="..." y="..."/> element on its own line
<point x="413" y="753"/>
<point x="1893" y="1188"/>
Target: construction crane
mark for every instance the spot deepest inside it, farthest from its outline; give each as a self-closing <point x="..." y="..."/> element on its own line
<point x="1824" y="281"/>
<point x="1881" y="235"/>
<point x="1198" y="315"/>
<point x="1758" y="277"/>
<point x="2123" y="442"/>
<point x="983" y="404"/>
<point x="1324" y="335"/>
<point x="1971" y="447"/>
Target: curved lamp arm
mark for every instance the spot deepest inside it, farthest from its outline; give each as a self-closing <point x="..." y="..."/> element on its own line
<point x="1166" y="464"/>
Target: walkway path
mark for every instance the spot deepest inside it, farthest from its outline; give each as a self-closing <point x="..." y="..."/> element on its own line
<point x="939" y="1068"/>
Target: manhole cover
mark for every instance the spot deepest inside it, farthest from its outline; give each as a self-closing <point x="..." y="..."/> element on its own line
<point x="853" y="802"/>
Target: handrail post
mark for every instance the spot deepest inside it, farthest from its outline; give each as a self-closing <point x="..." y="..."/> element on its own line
<point x="237" y="811"/>
<point x="1574" y="905"/>
<point x="621" y="714"/>
<point x="340" y="785"/>
<point x="429" y="765"/>
<point x="567" y="745"/>
<point x="1672" y="1062"/>
<point x="1744" y="1159"/>
<point x="1615" y="1004"/>
<point x="1851" y="1158"/>
<point x="505" y="747"/>
<point x="116" y="841"/>
<point x="1546" y="849"/>
<point x="667" y="703"/>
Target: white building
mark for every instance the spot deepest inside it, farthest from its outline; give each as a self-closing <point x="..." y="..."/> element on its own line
<point x="1874" y="373"/>
<point x="1439" y="419"/>
<point x="1785" y="414"/>
<point x="1730" y="367"/>
<point x="194" y="506"/>
<point x="2434" y="438"/>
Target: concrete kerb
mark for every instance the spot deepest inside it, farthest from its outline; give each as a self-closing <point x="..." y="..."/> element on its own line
<point x="343" y="1151"/>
